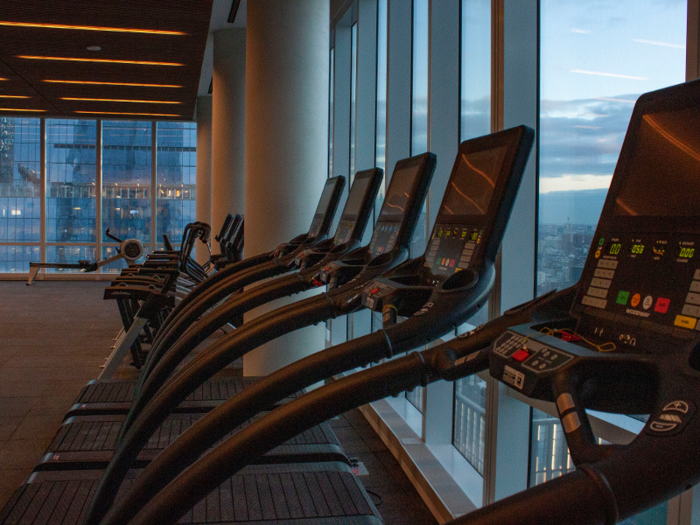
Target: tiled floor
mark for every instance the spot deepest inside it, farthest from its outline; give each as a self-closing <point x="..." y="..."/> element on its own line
<point x="53" y="338"/>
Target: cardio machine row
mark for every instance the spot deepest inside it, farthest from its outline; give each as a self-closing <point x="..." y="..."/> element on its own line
<point x="581" y="335"/>
<point x="471" y="224"/>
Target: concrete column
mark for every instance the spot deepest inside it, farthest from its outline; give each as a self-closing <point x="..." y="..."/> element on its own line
<point x="204" y="170"/>
<point x="286" y="146"/>
<point x="228" y="125"/>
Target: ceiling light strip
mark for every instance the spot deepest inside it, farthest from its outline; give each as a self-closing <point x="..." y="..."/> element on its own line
<point x="93" y="28"/>
<point x="94" y="82"/>
<point x="122" y="100"/>
<point x="20" y="109"/>
<point x="14" y="96"/>
<point x="121" y="113"/>
<point x="100" y="60"/>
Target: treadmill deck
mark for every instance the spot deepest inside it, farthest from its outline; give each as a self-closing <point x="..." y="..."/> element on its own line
<point x="294" y="494"/>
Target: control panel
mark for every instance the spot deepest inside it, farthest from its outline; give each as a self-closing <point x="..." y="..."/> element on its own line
<point x="383" y="238"/>
<point x="451" y="248"/>
<point x="521" y="361"/>
<point x="641" y="288"/>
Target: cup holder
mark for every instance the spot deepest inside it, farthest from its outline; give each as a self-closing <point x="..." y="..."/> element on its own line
<point x="461" y="279"/>
<point x="381" y="260"/>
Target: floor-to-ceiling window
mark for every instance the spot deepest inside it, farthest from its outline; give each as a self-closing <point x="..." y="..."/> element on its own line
<point x="475" y="120"/>
<point x="20" y="193"/>
<point x="71" y="186"/>
<point x="176" y="166"/>
<point x="596" y="59"/>
<point x="82" y="156"/>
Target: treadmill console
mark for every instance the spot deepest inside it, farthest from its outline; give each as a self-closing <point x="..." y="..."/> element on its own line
<point x="393" y="212"/>
<point x="639" y="292"/>
<point x="469" y="225"/>
<point x="362" y="194"/>
<point x="640" y="287"/>
<point x="327" y="205"/>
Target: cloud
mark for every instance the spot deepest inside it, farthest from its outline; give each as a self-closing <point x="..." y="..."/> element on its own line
<point x="588" y="181"/>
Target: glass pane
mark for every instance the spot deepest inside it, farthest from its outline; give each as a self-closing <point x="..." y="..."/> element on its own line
<point x="587" y="96"/>
<point x="382" y="35"/>
<point x="176" y="168"/>
<point x="469" y="420"/>
<point x="330" y="114"/>
<point x="126" y="179"/>
<point x="549" y="459"/>
<point x="16" y="259"/>
<point x="475" y="107"/>
<point x="20" y="180"/>
<point x="419" y="109"/>
<point x="69" y="255"/>
<point x="353" y="98"/>
<point x="415" y="397"/>
<point x="71" y="175"/>
<point x="419" y="122"/>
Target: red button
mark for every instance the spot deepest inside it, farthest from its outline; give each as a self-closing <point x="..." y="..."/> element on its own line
<point x="662" y="305"/>
<point x="521" y="355"/>
<point x="374" y="290"/>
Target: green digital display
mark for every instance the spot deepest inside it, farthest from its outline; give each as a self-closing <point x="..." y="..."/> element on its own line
<point x="637" y="249"/>
<point x="685" y="252"/>
<point x="615" y="248"/>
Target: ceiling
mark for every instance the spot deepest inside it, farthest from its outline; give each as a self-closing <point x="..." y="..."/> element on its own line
<point x="119" y="89"/>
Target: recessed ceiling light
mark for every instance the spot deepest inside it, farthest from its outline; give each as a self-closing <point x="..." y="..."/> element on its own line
<point x="20" y="109"/>
<point x="93" y="28"/>
<point x="14" y="96"/>
<point x="123" y="100"/>
<point x="120" y="113"/>
<point x="93" y="48"/>
<point x="92" y="82"/>
<point x="101" y="60"/>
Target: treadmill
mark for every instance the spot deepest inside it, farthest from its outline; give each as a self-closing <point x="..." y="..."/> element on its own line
<point x="623" y="340"/>
<point x="116" y="397"/>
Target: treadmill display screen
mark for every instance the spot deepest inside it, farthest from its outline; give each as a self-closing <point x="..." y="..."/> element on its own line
<point x="353" y="206"/>
<point x="395" y="203"/>
<point x="663" y="174"/>
<point x="322" y="208"/>
<point x="325" y="199"/>
<point x="356" y="198"/>
<point x="470" y="190"/>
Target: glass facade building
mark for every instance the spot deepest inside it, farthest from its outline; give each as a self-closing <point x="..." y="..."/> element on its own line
<point x="141" y="195"/>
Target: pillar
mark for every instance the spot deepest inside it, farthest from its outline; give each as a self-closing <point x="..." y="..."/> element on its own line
<point x="204" y="171"/>
<point x="286" y="148"/>
<point x="228" y="125"/>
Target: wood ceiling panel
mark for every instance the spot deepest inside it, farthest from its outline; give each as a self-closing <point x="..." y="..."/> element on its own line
<point x="27" y="77"/>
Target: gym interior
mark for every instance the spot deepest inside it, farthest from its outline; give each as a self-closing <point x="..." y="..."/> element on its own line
<point x="349" y="261"/>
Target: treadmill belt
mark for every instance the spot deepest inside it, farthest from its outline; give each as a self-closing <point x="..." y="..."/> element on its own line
<point x="315" y="493"/>
<point x="91" y="440"/>
<point x="123" y="391"/>
<point x="116" y="397"/>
